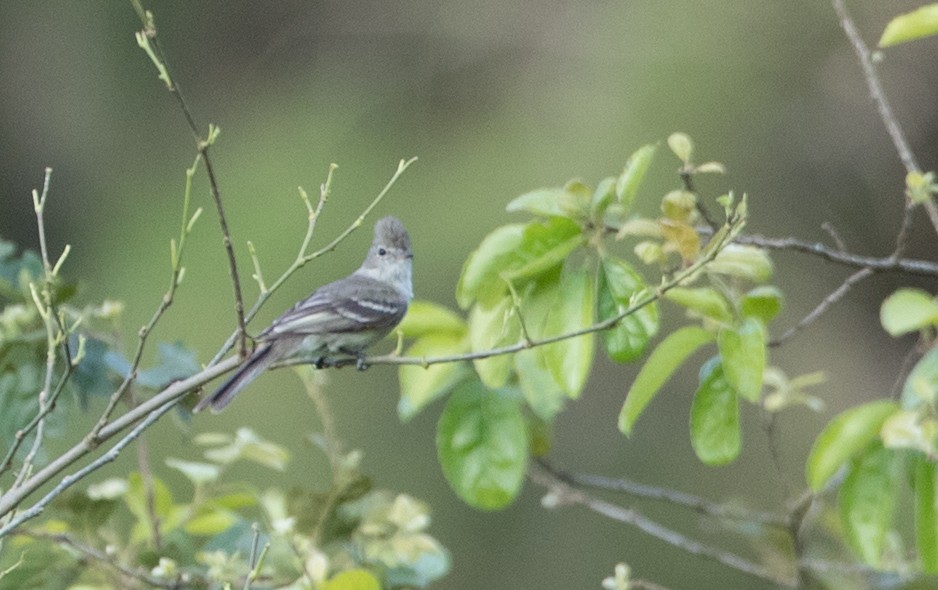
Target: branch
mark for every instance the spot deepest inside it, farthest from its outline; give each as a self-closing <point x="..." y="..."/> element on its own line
<point x="835" y="296"/>
<point x="876" y="89"/>
<point x="165" y="301"/>
<point x="147" y="39"/>
<point x="696" y="503"/>
<point x="149" y="410"/>
<point x="889" y="263"/>
<point x="564" y="493"/>
<point x="882" y="102"/>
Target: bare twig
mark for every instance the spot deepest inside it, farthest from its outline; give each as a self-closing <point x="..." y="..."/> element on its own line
<point x="567" y="494"/>
<point x="835" y="296"/>
<point x="149" y="42"/>
<point x="876" y="89"/>
<point x="924" y="268"/>
<point x="45" y="304"/>
<point x="886" y="113"/>
<point x="175" y="279"/>
<point x="303" y="256"/>
<point x="696" y="503"/>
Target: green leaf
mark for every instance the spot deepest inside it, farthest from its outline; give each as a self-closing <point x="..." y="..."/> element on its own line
<point x="482" y="445"/>
<point x="661" y="364"/>
<point x="570" y="201"/>
<point x="867" y="501"/>
<point x="546" y="261"/>
<point x="762" y="303"/>
<point x="603" y="196"/>
<point x="908" y="310"/>
<point x="422" y="385"/>
<point x="743" y="352"/>
<point x="196" y="472"/>
<point x="921" y="386"/>
<point x="479" y="278"/>
<point x="704" y="301"/>
<point x="247" y="445"/>
<point x="845" y="436"/>
<point x="424" y="317"/>
<point x="571" y="359"/>
<point x="618" y="283"/>
<point x="714" y="417"/>
<point x="211" y="523"/>
<point x="925" y="489"/>
<point x="679" y="206"/>
<point x="921" y="22"/>
<point x="354" y="579"/>
<point x="543" y="248"/>
<point x="681" y="145"/>
<point x="515" y="253"/>
<point x="493" y="328"/>
<point x="542" y="393"/>
<point x="631" y="178"/>
<point x="745" y="262"/>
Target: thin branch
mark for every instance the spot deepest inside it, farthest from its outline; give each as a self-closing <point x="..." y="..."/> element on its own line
<point x="146" y="475"/>
<point x="876" y="89"/>
<point x="678" y="279"/>
<point x="166" y="301"/>
<point x="696" y="503"/>
<point x="20" y="437"/>
<point x="302" y="256"/>
<point x="73" y="478"/>
<point x="889" y="263"/>
<point x="148" y="411"/>
<point x="149" y="42"/>
<point x="567" y="494"/>
<point x="886" y="113"/>
<point x="835" y="296"/>
<point x="45" y="305"/>
<point x="686" y="172"/>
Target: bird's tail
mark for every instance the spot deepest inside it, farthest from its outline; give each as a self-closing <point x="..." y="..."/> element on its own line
<point x="257" y="364"/>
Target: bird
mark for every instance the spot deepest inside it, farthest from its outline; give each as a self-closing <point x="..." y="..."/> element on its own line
<point x="345" y="316"/>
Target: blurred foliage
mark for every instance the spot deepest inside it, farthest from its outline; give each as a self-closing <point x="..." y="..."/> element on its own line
<point x="136" y="531"/>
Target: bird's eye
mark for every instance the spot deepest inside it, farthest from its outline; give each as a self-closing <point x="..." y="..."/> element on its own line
<point x="382" y="251"/>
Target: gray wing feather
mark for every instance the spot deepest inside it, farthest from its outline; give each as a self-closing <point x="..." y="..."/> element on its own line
<point x="340" y="307"/>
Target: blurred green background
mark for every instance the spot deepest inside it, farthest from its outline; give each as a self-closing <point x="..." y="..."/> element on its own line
<point x="495" y="98"/>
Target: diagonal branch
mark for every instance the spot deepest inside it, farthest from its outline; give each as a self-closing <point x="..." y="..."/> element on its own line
<point x="564" y="493"/>
<point x="886" y="113"/>
<point x="639" y="490"/>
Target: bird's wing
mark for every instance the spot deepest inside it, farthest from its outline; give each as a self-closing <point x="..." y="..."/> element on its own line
<point x="342" y="307"/>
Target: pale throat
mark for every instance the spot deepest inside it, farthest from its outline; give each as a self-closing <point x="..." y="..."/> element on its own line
<point x="397" y="274"/>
